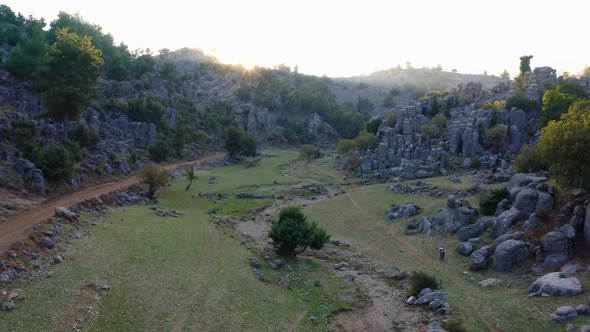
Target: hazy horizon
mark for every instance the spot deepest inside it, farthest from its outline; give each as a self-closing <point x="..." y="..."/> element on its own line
<point x="337" y="38"/>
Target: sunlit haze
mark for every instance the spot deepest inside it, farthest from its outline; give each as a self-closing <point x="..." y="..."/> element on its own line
<point x="343" y="38"/>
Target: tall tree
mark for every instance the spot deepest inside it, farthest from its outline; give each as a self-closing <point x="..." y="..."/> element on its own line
<point x="72" y="69"/>
<point x="565" y="144"/>
<point x="28" y="58"/>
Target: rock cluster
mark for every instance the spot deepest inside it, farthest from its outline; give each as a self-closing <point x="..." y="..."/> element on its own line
<point x="436" y="300"/>
<point x="406" y="210"/>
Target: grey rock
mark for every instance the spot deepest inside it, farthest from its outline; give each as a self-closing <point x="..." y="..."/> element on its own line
<point x="255" y="263"/>
<point x="555" y="284"/>
<point x="427" y="298"/>
<point x="489" y="282"/>
<point x="510" y="253"/>
<point x="582" y="309"/>
<point x="479" y="259"/>
<point x="46" y="242"/>
<point x="424" y="292"/>
<point x="411" y="300"/>
<point x="8" y="305"/>
<point x="523" y="180"/>
<point x="65" y="213"/>
<point x="556" y="249"/>
<point x="419" y="226"/>
<point x="468" y="232"/>
<point x="464" y="248"/>
<point x="526" y="200"/>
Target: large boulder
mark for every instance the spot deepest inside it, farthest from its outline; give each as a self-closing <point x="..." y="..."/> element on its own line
<point x="419" y="226"/>
<point x="526" y="200"/>
<point x="431" y="296"/>
<point x="506" y="220"/>
<point x="468" y="232"/>
<point x="464" y="248"/>
<point x="556" y="249"/>
<point x="510" y="253"/>
<point x="523" y="180"/>
<point x="479" y="259"/>
<point x="556" y="284"/>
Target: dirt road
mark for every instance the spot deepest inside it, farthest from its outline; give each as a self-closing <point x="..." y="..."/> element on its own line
<point x="16" y="228"/>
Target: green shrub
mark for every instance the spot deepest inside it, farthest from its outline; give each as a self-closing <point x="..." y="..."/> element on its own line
<point x="294" y="233"/>
<point x="496" y="138"/>
<point x="390" y="120"/>
<point x="58" y="163"/>
<point x="159" y="151"/>
<point x="489" y="201"/>
<point x="84" y="136"/>
<point x="529" y="160"/>
<point x="453" y="325"/>
<point x="522" y="102"/>
<point x="420" y="280"/>
<point x="365" y="141"/>
<point x="345" y="146"/>
<point x="373" y="126"/>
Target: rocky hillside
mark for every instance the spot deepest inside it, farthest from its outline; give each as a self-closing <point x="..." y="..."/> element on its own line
<point x="478" y="129"/>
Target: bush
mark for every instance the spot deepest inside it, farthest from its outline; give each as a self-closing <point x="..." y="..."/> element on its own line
<point x="309" y="152"/>
<point x="154" y="178"/>
<point x="496" y="138"/>
<point x="488" y="202"/>
<point x="84" y="136"/>
<point x="522" y="102"/>
<point x="440" y="121"/>
<point x="294" y="233"/>
<point x="453" y="325"/>
<point x="159" y="151"/>
<point x="58" y="163"/>
<point x="373" y="126"/>
<point x="529" y="160"/>
<point x="238" y="142"/>
<point x="390" y="120"/>
<point x="420" y="280"/>
<point x="365" y="141"/>
<point x="345" y="146"/>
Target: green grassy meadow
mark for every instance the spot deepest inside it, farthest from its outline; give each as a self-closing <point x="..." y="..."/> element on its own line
<point x="185" y="274"/>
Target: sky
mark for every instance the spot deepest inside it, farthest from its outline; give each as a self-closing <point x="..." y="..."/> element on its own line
<point x="345" y="38"/>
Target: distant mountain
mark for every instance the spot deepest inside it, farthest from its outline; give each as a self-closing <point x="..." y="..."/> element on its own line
<point x="397" y="86"/>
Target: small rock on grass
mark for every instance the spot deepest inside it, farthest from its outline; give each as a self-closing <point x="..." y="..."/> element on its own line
<point x="8" y="305"/>
<point x="255" y="263"/>
<point x="317" y="283"/>
<point x="349" y="277"/>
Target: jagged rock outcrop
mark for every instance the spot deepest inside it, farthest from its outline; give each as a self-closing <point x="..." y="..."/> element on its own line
<point x="456" y="216"/>
<point x="556" y="248"/>
<point x="555" y="284"/>
<point x="509" y="253"/>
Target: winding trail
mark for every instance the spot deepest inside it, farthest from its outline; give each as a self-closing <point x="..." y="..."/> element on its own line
<point x="418" y="256"/>
<point x="16" y="228"/>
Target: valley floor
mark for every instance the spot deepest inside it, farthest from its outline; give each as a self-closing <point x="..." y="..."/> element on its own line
<point x="136" y="271"/>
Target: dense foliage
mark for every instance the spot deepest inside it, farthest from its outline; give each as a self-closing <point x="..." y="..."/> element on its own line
<point x="488" y="201"/>
<point x="420" y="280"/>
<point x="72" y="69"/>
<point x="293" y="233"/>
<point x="565" y="145"/>
<point x="154" y="178"/>
<point x="529" y="160"/>
<point x="558" y="100"/>
<point x="238" y="142"/>
<point x="309" y="152"/>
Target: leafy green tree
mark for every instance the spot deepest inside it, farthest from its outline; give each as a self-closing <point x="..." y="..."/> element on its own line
<point x="529" y="160"/>
<point x="364" y="105"/>
<point x="190" y="176"/>
<point x="429" y="130"/>
<point x="390" y="120"/>
<point x="496" y="138"/>
<point x="565" y="144"/>
<point x="238" y="142"/>
<point x="154" y="178"/>
<point x="117" y="58"/>
<point x="70" y="79"/>
<point x="149" y="109"/>
<point x="168" y="71"/>
<point x="84" y="136"/>
<point x="505" y="75"/>
<point x="159" y="151"/>
<point x="521" y="102"/>
<point x="365" y="141"/>
<point x="557" y="101"/>
<point x="525" y="63"/>
<point x="309" y="152"/>
<point x="488" y="201"/>
<point x="293" y="233"/>
<point x="29" y="57"/>
<point x="58" y="162"/>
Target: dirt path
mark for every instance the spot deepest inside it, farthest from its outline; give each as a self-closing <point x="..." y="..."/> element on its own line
<point x="418" y="256"/>
<point x="16" y="228"/>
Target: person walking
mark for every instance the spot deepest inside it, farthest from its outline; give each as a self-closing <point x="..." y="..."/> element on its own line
<point x="442" y="251"/>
